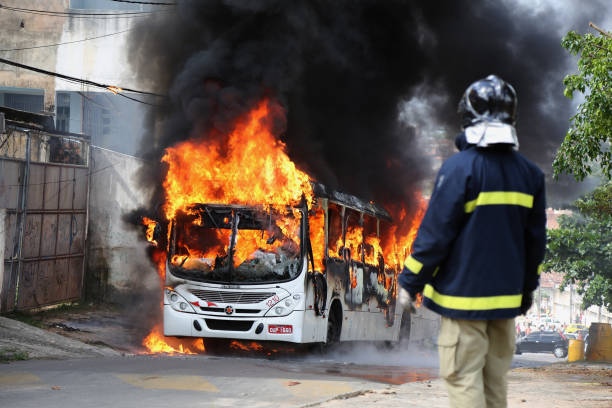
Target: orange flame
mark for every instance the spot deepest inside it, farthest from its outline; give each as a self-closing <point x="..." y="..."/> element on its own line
<point x="114" y="89"/>
<point x="250" y="166"/>
<point x="156" y="343"/>
<point x="353" y="279"/>
<point x="238" y="345"/>
<point x="397" y="242"/>
<point x="419" y="300"/>
<point x="159" y="257"/>
<point x="316" y="223"/>
<point x="151" y="224"/>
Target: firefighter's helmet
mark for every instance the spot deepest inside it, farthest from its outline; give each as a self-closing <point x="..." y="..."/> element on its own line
<point x="488" y="100"/>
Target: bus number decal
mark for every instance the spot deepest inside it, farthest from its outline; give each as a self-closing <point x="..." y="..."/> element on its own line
<point x="273" y="300"/>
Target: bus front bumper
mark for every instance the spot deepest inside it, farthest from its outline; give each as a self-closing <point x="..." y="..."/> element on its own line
<point x="215" y="326"/>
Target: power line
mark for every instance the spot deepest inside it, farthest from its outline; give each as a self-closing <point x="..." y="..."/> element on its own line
<point x="116" y="91"/>
<point x="126" y="14"/>
<point x="63" y="43"/>
<point x="136" y="100"/>
<point x="112" y="88"/>
<point x="145" y="2"/>
<point x="77" y="13"/>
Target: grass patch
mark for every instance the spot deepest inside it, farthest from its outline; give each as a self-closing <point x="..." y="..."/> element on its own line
<point x="8" y="354"/>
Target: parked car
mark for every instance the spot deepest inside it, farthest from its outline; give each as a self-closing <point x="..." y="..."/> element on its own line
<point x="543" y="342"/>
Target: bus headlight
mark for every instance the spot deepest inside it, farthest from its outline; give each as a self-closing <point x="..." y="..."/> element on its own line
<point x="177" y="302"/>
<point x="286" y="305"/>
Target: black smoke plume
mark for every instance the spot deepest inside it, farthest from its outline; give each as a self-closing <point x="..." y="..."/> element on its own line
<point x="342" y="70"/>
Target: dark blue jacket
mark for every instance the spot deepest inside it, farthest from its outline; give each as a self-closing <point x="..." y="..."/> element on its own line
<point x="483" y="236"/>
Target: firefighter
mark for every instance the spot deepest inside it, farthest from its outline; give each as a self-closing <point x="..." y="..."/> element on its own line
<point x="477" y="253"/>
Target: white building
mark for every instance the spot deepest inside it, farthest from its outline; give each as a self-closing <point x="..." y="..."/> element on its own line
<point x="564" y="306"/>
<point x="112" y="121"/>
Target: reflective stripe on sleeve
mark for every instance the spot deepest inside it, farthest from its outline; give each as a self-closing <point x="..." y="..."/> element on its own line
<point x="500" y="198"/>
<point x="539" y="269"/>
<point x="472" y="303"/>
<point x="413" y="265"/>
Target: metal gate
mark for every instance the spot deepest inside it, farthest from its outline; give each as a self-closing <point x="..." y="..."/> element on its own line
<point x="44" y="183"/>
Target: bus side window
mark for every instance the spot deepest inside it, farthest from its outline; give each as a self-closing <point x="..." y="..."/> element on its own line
<point x="371" y="246"/>
<point x="334" y="240"/>
<point x="354" y="234"/>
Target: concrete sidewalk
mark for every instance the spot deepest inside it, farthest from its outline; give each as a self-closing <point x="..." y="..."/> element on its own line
<point x="21" y="339"/>
<point x="561" y="385"/>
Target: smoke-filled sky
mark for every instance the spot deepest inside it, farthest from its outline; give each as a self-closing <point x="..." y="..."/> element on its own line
<point x="344" y="70"/>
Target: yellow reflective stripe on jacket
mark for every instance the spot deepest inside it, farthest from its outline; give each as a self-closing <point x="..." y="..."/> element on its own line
<point x="413" y="265"/>
<point x="500" y="198"/>
<point x="472" y="303"/>
<point x="539" y="269"/>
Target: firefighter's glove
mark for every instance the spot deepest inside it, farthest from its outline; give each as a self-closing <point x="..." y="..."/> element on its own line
<point x="526" y="302"/>
<point x="406" y="301"/>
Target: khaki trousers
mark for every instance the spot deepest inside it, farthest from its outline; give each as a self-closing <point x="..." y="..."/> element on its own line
<point x="475" y="356"/>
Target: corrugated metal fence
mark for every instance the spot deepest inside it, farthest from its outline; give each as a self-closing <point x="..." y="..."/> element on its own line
<point x="44" y="187"/>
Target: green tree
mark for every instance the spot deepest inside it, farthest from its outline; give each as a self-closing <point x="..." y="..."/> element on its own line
<point x="581" y="248"/>
<point x="587" y="142"/>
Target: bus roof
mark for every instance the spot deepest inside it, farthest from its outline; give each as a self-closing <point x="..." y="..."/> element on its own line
<point x="322" y="191"/>
<point x="351" y="201"/>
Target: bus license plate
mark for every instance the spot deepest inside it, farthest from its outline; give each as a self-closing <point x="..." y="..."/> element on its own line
<point x="280" y="329"/>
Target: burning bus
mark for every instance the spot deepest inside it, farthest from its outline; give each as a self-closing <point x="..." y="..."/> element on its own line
<point x="252" y="272"/>
<point x="251" y="248"/>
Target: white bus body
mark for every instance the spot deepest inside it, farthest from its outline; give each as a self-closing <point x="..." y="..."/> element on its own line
<point x="350" y="300"/>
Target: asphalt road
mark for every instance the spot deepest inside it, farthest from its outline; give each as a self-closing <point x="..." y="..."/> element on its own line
<point x="281" y="380"/>
<point x="535" y="360"/>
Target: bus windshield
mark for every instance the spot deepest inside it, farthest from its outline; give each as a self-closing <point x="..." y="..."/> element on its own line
<point x="232" y="244"/>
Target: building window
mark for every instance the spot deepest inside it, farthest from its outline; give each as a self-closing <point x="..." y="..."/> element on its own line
<point x="62" y="100"/>
<point x="107" y="5"/>
<point x="24" y="102"/>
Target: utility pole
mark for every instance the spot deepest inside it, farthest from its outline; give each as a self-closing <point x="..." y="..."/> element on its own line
<point x="539" y="301"/>
<point x="599" y="317"/>
<point x="570" y="305"/>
